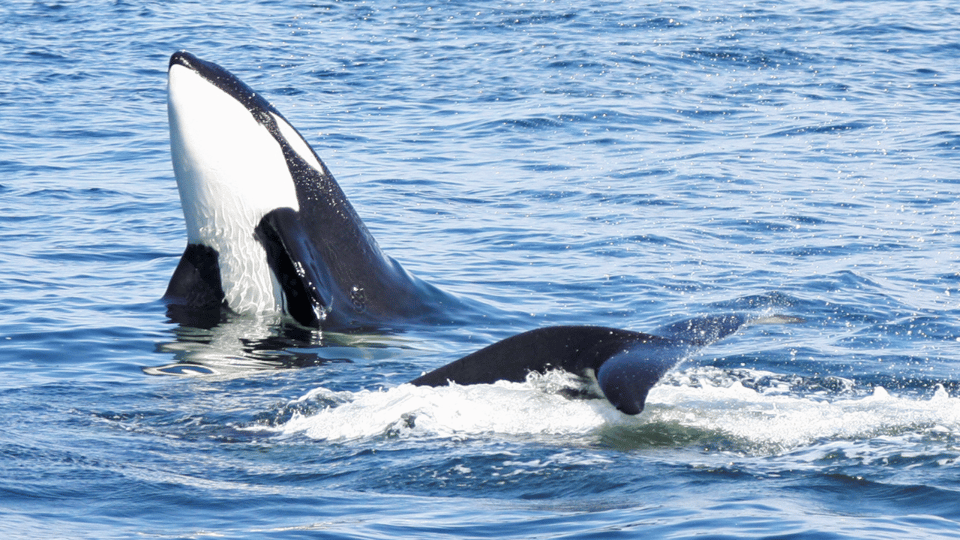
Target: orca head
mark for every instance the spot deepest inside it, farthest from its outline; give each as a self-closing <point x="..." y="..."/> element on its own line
<point x="231" y="151"/>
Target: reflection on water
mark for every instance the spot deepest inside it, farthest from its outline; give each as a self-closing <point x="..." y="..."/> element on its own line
<point x="240" y="344"/>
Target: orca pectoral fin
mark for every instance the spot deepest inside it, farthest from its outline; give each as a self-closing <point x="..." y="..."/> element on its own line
<point x="196" y="282"/>
<point x="627" y="377"/>
<point x="300" y="271"/>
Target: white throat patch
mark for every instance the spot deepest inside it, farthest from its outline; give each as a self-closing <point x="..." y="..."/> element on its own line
<point x="230" y="172"/>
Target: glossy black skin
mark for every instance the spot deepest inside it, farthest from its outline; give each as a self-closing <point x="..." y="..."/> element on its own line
<point x="626" y="364"/>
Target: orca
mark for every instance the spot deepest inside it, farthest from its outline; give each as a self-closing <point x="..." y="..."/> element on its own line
<point x="625" y="364"/>
<point x="269" y="230"/>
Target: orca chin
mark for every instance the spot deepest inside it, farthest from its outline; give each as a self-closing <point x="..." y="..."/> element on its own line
<point x="626" y="364"/>
<point x="268" y="228"/>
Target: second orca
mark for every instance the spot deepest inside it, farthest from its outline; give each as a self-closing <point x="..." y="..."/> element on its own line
<point x="626" y="364"/>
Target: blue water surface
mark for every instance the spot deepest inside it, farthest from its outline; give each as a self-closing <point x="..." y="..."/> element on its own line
<point x="623" y="164"/>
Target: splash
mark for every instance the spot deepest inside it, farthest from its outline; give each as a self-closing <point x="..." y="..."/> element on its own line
<point x="538" y="406"/>
<point x="779" y="418"/>
<point x="773" y="419"/>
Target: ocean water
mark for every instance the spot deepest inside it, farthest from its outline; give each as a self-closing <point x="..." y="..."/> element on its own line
<point x="622" y="164"/>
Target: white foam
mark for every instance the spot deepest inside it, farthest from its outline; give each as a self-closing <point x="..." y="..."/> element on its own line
<point x="778" y="421"/>
<point x="503" y="408"/>
<point x="772" y="420"/>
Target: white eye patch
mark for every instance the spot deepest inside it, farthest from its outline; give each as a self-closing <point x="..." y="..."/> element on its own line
<point x="296" y="142"/>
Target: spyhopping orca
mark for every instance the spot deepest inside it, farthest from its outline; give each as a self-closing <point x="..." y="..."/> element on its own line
<point x="626" y="364"/>
<point x="268" y="228"/>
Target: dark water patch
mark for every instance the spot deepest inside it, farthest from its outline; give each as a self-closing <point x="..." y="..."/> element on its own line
<point x="874" y="30"/>
<point x="45" y="55"/>
<point x="823" y="129"/>
<point x="657" y="435"/>
<point x="881" y="497"/>
<point x="763" y="301"/>
<point x="845" y="248"/>
<point x="949" y="140"/>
